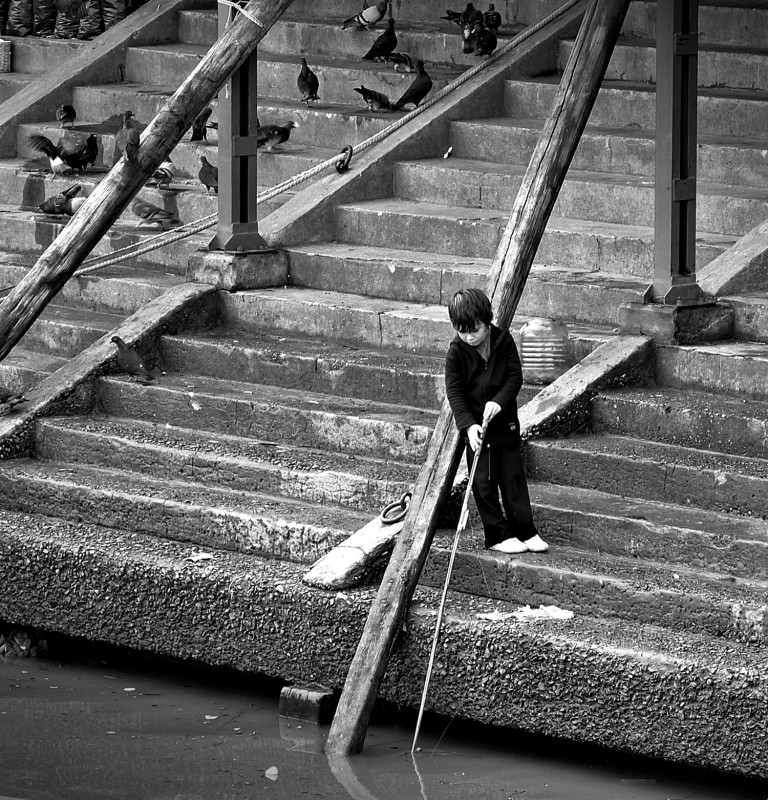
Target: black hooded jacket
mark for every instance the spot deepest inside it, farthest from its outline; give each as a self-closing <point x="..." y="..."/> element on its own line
<point x="470" y="383"/>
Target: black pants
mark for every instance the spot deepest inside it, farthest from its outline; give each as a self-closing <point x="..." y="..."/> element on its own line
<point x="500" y="472"/>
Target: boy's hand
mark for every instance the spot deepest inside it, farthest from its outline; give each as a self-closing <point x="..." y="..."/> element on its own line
<point x="475" y="436"/>
<point x="490" y="411"/>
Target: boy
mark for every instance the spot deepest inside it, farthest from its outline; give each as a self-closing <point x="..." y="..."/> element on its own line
<point x="483" y="376"/>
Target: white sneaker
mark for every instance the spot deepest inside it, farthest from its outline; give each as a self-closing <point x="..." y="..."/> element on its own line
<point x="510" y="546"/>
<point x="536" y="544"/>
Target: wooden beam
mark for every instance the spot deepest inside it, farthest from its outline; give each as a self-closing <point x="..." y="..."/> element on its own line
<point x="537" y="195"/>
<point x="553" y="153"/>
<point x="108" y="200"/>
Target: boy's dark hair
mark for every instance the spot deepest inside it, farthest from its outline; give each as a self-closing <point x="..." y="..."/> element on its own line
<point x="468" y="308"/>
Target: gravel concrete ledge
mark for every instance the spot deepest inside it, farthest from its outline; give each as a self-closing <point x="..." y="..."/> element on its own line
<point x="684" y="698"/>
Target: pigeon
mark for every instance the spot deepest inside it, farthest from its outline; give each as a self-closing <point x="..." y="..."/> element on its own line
<point x="485" y="40"/>
<point x="66" y="116"/>
<point x="376" y="101"/>
<point x="127" y="139"/>
<point x="468" y="38"/>
<point x="200" y="125"/>
<point x="150" y="216"/>
<point x="89" y="154"/>
<point x="460" y="17"/>
<point x="384" y="45"/>
<point x="342" y="160"/>
<point x="209" y="175"/>
<point x="163" y="175"/>
<point x="9" y="400"/>
<point x="65" y="202"/>
<point x="418" y="90"/>
<point x="368" y="17"/>
<point x="307" y="83"/>
<point x="404" y="60"/>
<point x="270" y="136"/>
<point x="69" y="155"/>
<point x="492" y="18"/>
<point x="129" y="361"/>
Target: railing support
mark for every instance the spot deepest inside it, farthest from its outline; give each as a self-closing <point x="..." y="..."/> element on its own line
<point x="674" y="276"/>
<point x="238" y="228"/>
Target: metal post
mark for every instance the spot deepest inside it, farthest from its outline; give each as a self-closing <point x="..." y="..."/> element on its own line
<point x="674" y="276"/>
<point x="238" y="228"/>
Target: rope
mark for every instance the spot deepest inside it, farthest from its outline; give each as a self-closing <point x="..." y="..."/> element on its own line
<point x="176" y="234"/>
<point x="244" y="12"/>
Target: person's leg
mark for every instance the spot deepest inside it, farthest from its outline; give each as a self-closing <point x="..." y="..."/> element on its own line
<point x="507" y="461"/>
<point x="486" y="495"/>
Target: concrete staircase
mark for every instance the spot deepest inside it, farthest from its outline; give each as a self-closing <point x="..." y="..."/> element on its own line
<point x="271" y="438"/>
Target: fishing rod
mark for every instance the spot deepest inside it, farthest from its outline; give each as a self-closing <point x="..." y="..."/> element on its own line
<point x="463" y="516"/>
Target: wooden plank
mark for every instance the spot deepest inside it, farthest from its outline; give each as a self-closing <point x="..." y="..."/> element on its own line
<point x="105" y="204"/>
<point x="541" y="184"/>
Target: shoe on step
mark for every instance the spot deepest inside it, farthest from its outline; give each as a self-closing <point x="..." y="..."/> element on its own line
<point x="536" y="544"/>
<point x="510" y="546"/>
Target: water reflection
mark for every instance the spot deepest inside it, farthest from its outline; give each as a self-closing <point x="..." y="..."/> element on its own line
<point x="74" y="731"/>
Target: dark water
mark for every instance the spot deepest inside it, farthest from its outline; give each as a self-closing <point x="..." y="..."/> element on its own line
<point x="114" y="729"/>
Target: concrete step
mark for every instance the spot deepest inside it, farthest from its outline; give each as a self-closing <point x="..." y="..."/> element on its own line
<point x="275" y="413"/>
<point x="368" y="322"/>
<point x="750" y="316"/>
<point x="475" y="232"/>
<point x="621" y="150"/>
<point x="106" y="103"/>
<point x="646" y="672"/>
<point x="172" y="62"/>
<point x="31" y="54"/>
<point x="333" y="126"/>
<point x="606" y="587"/>
<point x="411" y="276"/>
<point x="686" y="418"/>
<point x="433" y="40"/>
<point x="247" y="522"/>
<point x="22" y="369"/>
<point x="13" y="82"/>
<point x="619" y="199"/>
<point x="31" y="183"/>
<point x="198" y="26"/>
<point x="65" y="331"/>
<point x="185" y="156"/>
<point x="325" y="367"/>
<point x="338" y="72"/>
<point x="118" y="288"/>
<point x="733" y="368"/>
<point x="338" y="78"/>
<point x="658" y="472"/>
<point x="315" y="364"/>
<point x="25" y="231"/>
<point x="721" y="112"/>
<point x="315" y="477"/>
<point x="732" y="67"/>
<point x="519" y="13"/>
<point x="721" y="22"/>
<point x="29" y="178"/>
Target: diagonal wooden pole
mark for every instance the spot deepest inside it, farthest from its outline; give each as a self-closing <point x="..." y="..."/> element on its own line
<point x="541" y="184"/>
<point x="108" y="200"/>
